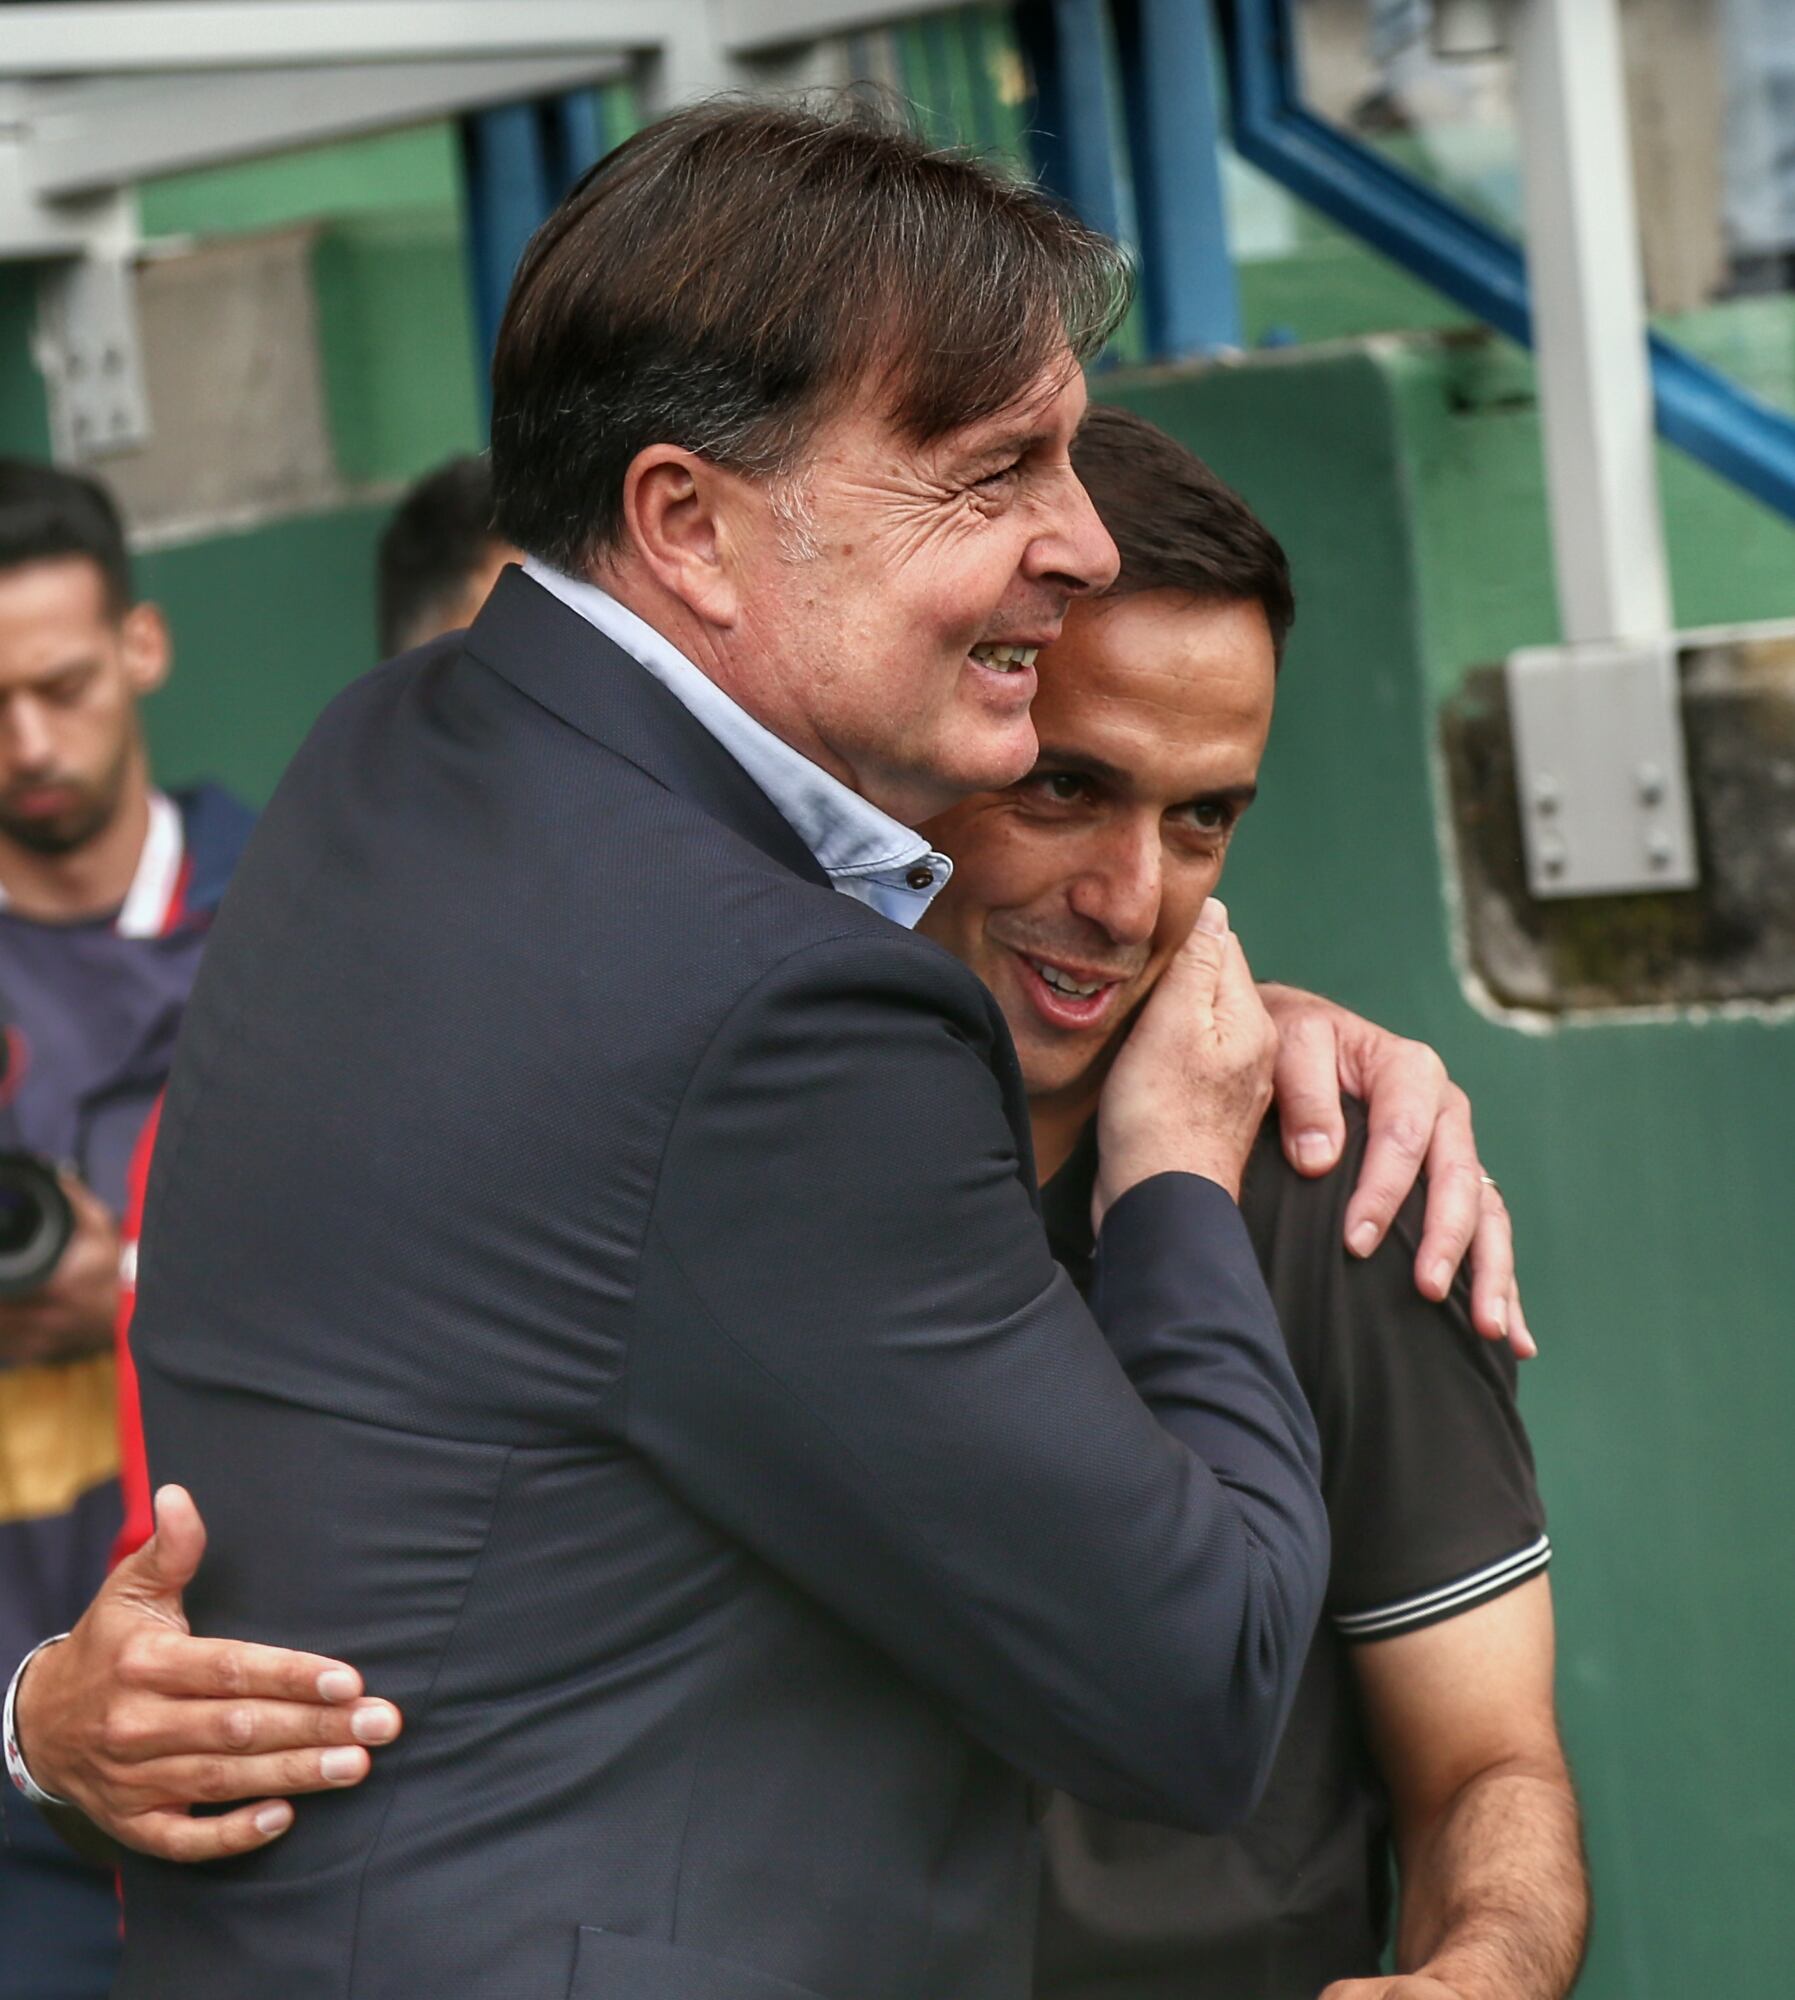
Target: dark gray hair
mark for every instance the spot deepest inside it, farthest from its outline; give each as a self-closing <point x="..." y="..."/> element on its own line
<point x="729" y="276"/>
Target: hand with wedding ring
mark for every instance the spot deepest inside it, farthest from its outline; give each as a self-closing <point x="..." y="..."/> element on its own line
<point x="1420" y="1120"/>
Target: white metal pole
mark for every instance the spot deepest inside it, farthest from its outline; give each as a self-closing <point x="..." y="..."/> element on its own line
<point x="1583" y="261"/>
<point x="86" y="37"/>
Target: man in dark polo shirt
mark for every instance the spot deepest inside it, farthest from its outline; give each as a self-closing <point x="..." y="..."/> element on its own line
<point x="1424" y="1719"/>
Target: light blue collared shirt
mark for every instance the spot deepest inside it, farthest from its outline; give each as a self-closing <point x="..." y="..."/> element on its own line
<point x="864" y="852"/>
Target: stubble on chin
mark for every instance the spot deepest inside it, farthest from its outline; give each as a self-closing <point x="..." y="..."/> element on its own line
<point x="63" y="834"/>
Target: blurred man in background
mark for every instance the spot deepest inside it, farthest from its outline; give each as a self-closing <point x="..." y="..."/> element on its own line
<point x="107" y="886"/>
<point x="439" y="556"/>
<point x="1425" y="1713"/>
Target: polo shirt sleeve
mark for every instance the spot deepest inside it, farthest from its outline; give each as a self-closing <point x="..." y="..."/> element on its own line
<point x="1427" y="1471"/>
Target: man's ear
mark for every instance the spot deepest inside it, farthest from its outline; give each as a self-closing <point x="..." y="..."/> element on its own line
<point x="678" y="517"/>
<point x="146" y="649"/>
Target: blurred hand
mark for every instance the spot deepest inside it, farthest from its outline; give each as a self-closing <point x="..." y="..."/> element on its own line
<point x="1188" y="1090"/>
<point x="74" y="1313"/>
<point x="134" y="1721"/>
<point x="1419" y="1118"/>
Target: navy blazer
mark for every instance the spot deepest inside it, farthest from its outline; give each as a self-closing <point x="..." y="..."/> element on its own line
<point x="592" y="1280"/>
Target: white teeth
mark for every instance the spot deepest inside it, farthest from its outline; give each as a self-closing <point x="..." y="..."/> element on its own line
<point x="1063" y="982"/>
<point x="1008" y="658"/>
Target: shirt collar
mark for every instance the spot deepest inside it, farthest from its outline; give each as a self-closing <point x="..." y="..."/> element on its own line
<point x="865" y="853"/>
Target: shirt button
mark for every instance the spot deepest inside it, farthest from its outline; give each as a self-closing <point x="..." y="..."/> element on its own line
<point x="920" y="878"/>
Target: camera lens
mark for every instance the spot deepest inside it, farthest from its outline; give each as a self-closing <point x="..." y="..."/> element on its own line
<point x="36" y="1223"/>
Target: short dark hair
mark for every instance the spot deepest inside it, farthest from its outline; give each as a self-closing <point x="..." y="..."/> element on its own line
<point x="47" y="512"/>
<point x="440" y="534"/>
<point x="725" y="277"/>
<point x="1176" y="525"/>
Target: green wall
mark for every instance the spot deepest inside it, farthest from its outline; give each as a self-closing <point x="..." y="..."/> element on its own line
<point x="24" y="422"/>
<point x="270" y="621"/>
<point x="1648" y="1163"/>
<point x="268" y="625"/>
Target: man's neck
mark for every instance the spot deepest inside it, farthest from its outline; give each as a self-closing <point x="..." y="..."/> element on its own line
<point x="91" y="880"/>
<point x="1056" y="1123"/>
<point x="765" y="700"/>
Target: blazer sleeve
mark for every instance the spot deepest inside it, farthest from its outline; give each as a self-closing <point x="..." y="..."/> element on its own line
<point x="855" y="1354"/>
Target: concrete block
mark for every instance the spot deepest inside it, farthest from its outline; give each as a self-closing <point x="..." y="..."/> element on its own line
<point x="1732" y="938"/>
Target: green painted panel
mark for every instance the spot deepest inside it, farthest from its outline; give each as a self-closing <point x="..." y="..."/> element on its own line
<point x="24" y="419"/>
<point x="1334" y="289"/>
<point x="622" y="110"/>
<point x="1003" y="87"/>
<point x="417" y="168"/>
<point x="1647" y="1162"/>
<point x="1472" y="441"/>
<point x="398" y="344"/>
<point x="268" y="625"/>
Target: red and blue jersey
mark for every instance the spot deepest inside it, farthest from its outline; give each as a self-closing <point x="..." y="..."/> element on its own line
<point x="91" y="1010"/>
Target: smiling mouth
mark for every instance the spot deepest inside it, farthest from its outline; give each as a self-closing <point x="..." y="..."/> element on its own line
<point x="1061" y="997"/>
<point x="1005" y="659"/>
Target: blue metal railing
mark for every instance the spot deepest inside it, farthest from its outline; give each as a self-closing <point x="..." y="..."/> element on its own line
<point x="517" y="162"/>
<point x="1172" y="127"/>
<point x="1174" y="130"/>
<point x="1727" y="428"/>
<point x="520" y="158"/>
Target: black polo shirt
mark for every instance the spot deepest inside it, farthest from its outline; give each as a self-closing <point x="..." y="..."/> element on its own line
<point x="1431" y="1499"/>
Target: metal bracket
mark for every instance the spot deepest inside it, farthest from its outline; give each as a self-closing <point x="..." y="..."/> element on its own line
<point x="1600" y="769"/>
<point x="91" y="357"/>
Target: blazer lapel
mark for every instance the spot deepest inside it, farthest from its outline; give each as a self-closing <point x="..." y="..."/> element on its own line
<point x="553" y="656"/>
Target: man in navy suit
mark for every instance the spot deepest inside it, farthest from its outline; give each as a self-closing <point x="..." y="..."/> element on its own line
<point x="578" y="1174"/>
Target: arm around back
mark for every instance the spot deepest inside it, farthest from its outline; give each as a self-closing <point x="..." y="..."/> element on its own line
<point x="854" y="1354"/>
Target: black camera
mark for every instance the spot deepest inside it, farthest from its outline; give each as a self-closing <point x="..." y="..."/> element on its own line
<point x="36" y="1223"/>
<point x="36" y="1220"/>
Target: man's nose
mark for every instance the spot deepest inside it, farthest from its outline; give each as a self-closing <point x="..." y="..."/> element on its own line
<point x="1119" y="889"/>
<point x="1074" y="551"/>
<point x="25" y="734"/>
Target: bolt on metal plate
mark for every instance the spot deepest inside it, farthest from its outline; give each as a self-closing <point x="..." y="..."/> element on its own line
<point x="1600" y="768"/>
<point x="89" y="351"/>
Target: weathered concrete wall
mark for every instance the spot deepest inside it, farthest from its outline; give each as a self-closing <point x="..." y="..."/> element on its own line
<point x="1731" y="937"/>
<point x="289" y="413"/>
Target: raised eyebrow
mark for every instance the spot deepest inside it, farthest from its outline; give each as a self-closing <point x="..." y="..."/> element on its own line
<point x="1052" y="762"/>
<point x="1229" y="795"/>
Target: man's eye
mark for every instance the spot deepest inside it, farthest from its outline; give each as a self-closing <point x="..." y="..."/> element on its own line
<point x="1001" y="477"/>
<point x="1060" y="788"/>
<point x="1211" y="815"/>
